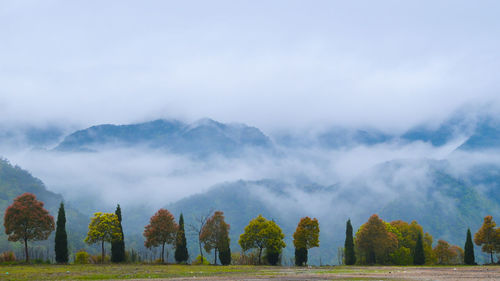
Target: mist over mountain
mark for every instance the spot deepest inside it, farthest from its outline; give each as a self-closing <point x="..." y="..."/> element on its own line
<point x="445" y="176"/>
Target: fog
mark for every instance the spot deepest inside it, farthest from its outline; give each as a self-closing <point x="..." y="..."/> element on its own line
<point x="285" y="64"/>
<point x="137" y="176"/>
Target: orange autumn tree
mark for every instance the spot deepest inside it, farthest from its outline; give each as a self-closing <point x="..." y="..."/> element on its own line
<point x="306" y="236"/>
<point x="374" y="242"/>
<point x="26" y="220"/>
<point x="488" y="236"/>
<point x="161" y="230"/>
<point x="448" y="254"/>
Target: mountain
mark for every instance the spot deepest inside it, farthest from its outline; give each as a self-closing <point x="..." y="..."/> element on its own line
<point x="481" y="132"/>
<point x="486" y="136"/>
<point x="15" y="181"/>
<point x="242" y="201"/>
<point x="201" y="138"/>
<point x="443" y="203"/>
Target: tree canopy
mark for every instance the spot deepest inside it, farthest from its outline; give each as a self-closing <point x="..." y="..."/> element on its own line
<point x="118" y="246"/>
<point x="26" y="220"/>
<point x="306" y="236"/>
<point x="161" y="230"/>
<point x="61" y="239"/>
<point x="104" y="227"/>
<point x="375" y="242"/>
<point x="181" y="251"/>
<point x="488" y="237"/>
<point x="215" y="233"/>
<point x="349" y="254"/>
<point x="260" y="234"/>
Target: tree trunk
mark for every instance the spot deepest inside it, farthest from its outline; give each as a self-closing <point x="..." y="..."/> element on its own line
<point x="26" y="254"/>
<point x="491" y="257"/>
<point x="162" y="251"/>
<point x="215" y="256"/>
<point x="260" y="253"/>
<point x="102" y="251"/>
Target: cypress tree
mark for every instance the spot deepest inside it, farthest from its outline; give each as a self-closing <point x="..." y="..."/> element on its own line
<point x="61" y="240"/>
<point x="225" y="252"/>
<point x="118" y="247"/>
<point x="418" y="254"/>
<point x="350" y="256"/>
<point x="300" y="256"/>
<point x="181" y="252"/>
<point x="469" y="250"/>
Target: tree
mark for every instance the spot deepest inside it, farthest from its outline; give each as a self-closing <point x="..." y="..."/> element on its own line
<point x="374" y="242"/>
<point x="261" y="233"/>
<point x="350" y="256"/>
<point x="118" y="246"/>
<point x="181" y="252"/>
<point x="300" y="256"/>
<point x="215" y="233"/>
<point x="306" y="236"/>
<point x="103" y="227"/>
<point x="225" y="252"/>
<point x="448" y="254"/>
<point x="418" y="253"/>
<point x="161" y="230"/>
<point x="61" y="239"/>
<point x="469" y="250"/>
<point x="407" y="234"/>
<point x="488" y="236"/>
<point x="198" y="227"/>
<point x="26" y="220"/>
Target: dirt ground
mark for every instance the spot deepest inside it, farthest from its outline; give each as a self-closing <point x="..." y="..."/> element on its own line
<point x="375" y="273"/>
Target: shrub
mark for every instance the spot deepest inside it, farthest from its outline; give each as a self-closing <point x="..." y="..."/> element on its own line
<point x="244" y="259"/>
<point x="96" y="259"/>
<point x="7" y="256"/>
<point x="198" y="261"/>
<point x="82" y="257"/>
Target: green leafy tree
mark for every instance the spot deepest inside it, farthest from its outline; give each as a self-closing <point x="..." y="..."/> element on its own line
<point x="26" y="220"/>
<point x="306" y="236"/>
<point x="469" y="250"/>
<point x="260" y="234"/>
<point x="418" y="253"/>
<point x="161" y="230"/>
<point x="181" y="251"/>
<point x="118" y="246"/>
<point x="488" y="236"/>
<point x="215" y="233"/>
<point x="61" y="239"/>
<point x="350" y="256"/>
<point x="103" y="227"/>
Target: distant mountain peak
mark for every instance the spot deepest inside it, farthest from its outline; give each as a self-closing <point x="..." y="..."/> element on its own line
<point x="203" y="137"/>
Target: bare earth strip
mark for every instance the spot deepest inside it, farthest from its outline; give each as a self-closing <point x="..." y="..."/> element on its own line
<point x="368" y="273"/>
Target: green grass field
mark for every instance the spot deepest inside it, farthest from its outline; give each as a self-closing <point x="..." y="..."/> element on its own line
<point x="144" y="271"/>
<point x="126" y="271"/>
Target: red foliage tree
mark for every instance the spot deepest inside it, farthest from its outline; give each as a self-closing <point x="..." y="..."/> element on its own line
<point x="215" y="233"/>
<point x="161" y="230"/>
<point x="26" y="220"/>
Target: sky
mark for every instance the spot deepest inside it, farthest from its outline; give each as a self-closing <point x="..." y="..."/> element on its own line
<point x="270" y="64"/>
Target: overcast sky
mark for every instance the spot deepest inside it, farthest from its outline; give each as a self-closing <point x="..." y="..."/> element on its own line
<point x="271" y="64"/>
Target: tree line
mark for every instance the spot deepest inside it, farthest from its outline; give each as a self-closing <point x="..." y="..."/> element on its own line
<point x="375" y="242"/>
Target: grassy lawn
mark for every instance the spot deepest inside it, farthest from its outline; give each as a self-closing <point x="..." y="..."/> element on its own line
<point x="126" y="271"/>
